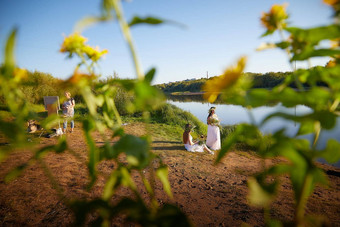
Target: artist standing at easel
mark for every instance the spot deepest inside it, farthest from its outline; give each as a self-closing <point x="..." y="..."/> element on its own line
<point x="68" y="111"/>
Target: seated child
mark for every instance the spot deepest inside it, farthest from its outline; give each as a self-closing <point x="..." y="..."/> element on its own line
<point x="190" y="145"/>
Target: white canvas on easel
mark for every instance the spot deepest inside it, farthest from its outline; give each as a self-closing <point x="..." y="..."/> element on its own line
<point x="52" y="106"/>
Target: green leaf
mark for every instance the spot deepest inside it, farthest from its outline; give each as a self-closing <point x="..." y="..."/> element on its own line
<point x="147" y="20"/>
<point x="274" y="223"/>
<point x="81" y="209"/>
<point x="107" y="152"/>
<point x="90" y="100"/>
<point x="50" y="121"/>
<point x="162" y="174"/>
<point x="268" y="32"/>
<point x="326" y="118"/>
<point x="100" y="100"/>
<point x="147" y="97"/>
<point x="135" y="210"/>
<point x="93" y="155"/>
<point x="88" y="125"/>
<point x="332" y="151"/>
<point x="283" y="45"/>
<point x="15" y="172"/>
<point x="127" y="179"/>
<point x="245" y="133"/>
<point x="9" y="49"/>
<point x="150" y="75"/>
<point x="258" y="196"/>
<point x="309" y="53"/>
<point x="11" y="130"/>
<point x="111" y="184"/>
<point x="306" y="127"/>
<point x="317" y="34"/>
<point x="170" y="215"/>
<point x="227" y="144"/>
<point x="119" y="177"/>
<point x="42" y="151"/>
<point x="127" y="84"/>
<point x="319" y="176"/>
<point x="258" y="97"/>
<point x="137" y="150"/>
<point x="4" y="154"/>
<point x="89" y="21"/>
<point x="118" y="132"/>
<point x="61" y="146"/>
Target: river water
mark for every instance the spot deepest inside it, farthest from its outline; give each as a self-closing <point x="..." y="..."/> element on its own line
<point x="232" y="114"/>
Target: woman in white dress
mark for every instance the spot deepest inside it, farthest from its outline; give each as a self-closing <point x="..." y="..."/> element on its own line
<point x="213" y="135"/>
<point x="193" y="146"/>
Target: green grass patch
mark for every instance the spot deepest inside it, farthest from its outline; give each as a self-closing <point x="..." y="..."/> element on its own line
<point x="172" y="115"/>
<point x="166" y="132"/>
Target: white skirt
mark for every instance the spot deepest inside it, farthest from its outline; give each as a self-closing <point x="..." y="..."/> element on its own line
<point x="213" y="138"/>
<point x="194" y="148"/>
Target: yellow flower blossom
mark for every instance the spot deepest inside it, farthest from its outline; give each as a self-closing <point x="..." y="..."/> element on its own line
<point x="76" y="43"/>
<point x="78" y="76"/>
<point x="214" y="86"/>
<point x="276" y="18"/>
<point x="335" y="5"/>
<point x="94" y="53"/>
<point x="331" y="2"/>
<point x="331" y="63"/>
<point x="335" y="43"/>
<point x="19" y="73"/>
<point x="73" y="43"/>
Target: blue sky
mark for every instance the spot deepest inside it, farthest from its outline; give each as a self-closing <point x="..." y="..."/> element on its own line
<point x="217" y="33"/>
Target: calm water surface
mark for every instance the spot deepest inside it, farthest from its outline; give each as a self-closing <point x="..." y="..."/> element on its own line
<point x="231" y="114"/>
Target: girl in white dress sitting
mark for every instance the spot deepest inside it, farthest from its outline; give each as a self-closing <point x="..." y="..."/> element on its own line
<point x="190" y="145"/>
<point x="213" y="135"/>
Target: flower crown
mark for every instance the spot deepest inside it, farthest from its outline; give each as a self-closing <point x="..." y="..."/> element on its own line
<point x="211" y="109"/>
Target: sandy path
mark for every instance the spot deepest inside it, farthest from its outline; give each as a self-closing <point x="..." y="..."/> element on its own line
<point x="210" y="195"/>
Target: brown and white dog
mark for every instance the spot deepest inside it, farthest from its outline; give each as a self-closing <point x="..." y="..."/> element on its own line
<point x="32" y="126"/>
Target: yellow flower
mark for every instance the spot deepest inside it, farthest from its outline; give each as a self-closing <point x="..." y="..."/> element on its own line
<point x="214" y="86"/>
<point x="335" y="5"/>
<point x="276" y="18"/>
<point x="331" y="2"/>
<point x="76" y="43"/>
<point x="73" y="43"/>
<point x="335" y="43"/>
<point x="19" y="74"/>
<point x="78" y="76"/>
<point x="331" y="63"/>
<point x="94" y="54"/>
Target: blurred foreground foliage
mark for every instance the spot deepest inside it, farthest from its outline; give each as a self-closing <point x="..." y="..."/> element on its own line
<point x="316" y="87"/>
<point x="133" y="154"/>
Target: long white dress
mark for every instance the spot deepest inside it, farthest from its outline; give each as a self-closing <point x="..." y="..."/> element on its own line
<point x="213" y="136"/>
<point x="193" y="148"/>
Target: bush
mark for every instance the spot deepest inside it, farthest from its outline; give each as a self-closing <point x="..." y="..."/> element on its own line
<point x="171" y="114"/>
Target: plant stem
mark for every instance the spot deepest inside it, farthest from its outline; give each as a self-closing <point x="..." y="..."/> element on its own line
<point x="301" y="203"/>
<point x="119" y="120"/>
<point x="85" y="63"/>
<point x="298" y="83"/>
<point x="334" y="105"/>
<point x="51" y="178"/>
<point x="317" y="128"/>
<point x="127" y="35"/>
<point x="251" y="116"/>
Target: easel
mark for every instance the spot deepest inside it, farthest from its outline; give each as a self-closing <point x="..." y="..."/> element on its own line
<point x="52" y="106"/>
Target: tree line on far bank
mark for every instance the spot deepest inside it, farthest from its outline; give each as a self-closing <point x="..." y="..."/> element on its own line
<point x="260" y="80"/>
